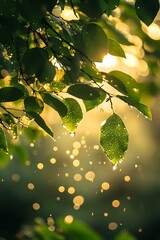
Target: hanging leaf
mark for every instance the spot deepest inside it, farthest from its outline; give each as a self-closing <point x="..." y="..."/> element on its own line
<point x="112" y="4"/>
<point x="92" y="8"/>
<point x="41" y="123"/>
<point x="8" y="119"/>
<point x="83" y="91"/>
<point x="140" y="106"/>
<point x="45" y="233"/>
<point x="124" y="84"/>
<point x="20" y="152"/>
<point x="4" y="158"/>
<point x="89" y="72"/>
<point x="124" y="236"/>
<point x="115" y="48"/>
<point x="74" y="114"/>
<point x="78" y="230"/>
<point x="33" y="104"/>
<point x="36" y="62"/>
<point x="147" y="10"/>
<point x="91" y="104"/>
<point x="55" y="103"/>
<point x="95" y="42"/>
<point x="10" y="94"/>
<point x="114" y="138"/>
<point x="3" y="141"/>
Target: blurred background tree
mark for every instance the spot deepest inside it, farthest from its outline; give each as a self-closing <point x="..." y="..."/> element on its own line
<point x="59" y="60"/>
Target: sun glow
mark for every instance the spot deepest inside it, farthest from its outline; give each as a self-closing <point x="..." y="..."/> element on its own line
<point x="109" y="60"/>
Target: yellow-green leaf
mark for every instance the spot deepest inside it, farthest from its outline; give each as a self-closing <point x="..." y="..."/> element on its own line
<point x="74" y="114"/>
<point x="114" y="138"/>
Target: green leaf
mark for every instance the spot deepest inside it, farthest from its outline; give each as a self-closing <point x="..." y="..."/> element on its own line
<point x="112" y="32"/>
<point x="124" y="84"/>
<point x="90" y="72"/>
<point x="115" y="48"/>
<point x="55" y="103"/>
<point x="4" y="158"/>
<point x="41" y="123"/>
<point x="45" y="234"/>
<point x="36" y="62"/>
<point x="20" y="152"/>
<point x="147" y="10"/>
<point x="140" y="106"/>
<point x="124" y="236"/>
<point x="78" y="231"/>
<point x="3" y="141"/>
<point x="91" y="104"/>
<point x="10" y="94"/>
<point x="33" y="104"/>
<point x="95" y="42"/>
<point x="74" y="114"/>
<point x="114" y="138"/>
<point x="83" y="91"/>
<point x="8" y="119"/>
<point x="88" y="7"/>
<point x="112" y="4"/>
<point x="31" y="133"/>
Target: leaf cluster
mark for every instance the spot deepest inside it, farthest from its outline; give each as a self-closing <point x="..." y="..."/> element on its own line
<point x="46" y="59"/>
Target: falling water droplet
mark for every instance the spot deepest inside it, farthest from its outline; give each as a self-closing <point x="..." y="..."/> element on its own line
<point x="72" y="134"/>
<point x="114" y="167"/>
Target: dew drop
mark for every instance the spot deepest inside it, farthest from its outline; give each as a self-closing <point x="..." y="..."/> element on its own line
<point x="72" y="134"/>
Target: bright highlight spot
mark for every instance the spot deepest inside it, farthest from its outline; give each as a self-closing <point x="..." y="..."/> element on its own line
<point x="30" y="186"/>
<point x="53" y="160"/>
<point x="76" y="163"/>
<point x="154" y="31"/>
<point x="71" y="190"/>
<point x="109" y="60"/>
<point x="36" y="206"/>
<point x="78" y="200"/>
<point x="127" y="178"/>
<point x="115" y="203"/>
<point x="77" y="177"/>
<point x="90" y="176"/>
<point x="112" y="226"/>
<point x="105" y="186"/>
<point x="61" y="189"/>
<point x="40" y="166"/>
<point x="68" y="219"/>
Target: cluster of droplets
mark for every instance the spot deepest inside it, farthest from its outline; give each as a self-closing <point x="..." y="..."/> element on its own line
<point x="72" y="156"/>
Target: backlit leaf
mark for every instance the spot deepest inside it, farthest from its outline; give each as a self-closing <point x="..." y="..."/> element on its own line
<point x="124" y="83"/>
<point x="41" y="123"/>
<point x="83" y="91"/>
<point x="3" y="141"/>
<point x="78" y="231"/>
<point x="4" y="158"/>
<point x="55" y="103"/>
<point x="95" y="42"/>
<point x="147" y="10"/>
<point x="115" y="48"/>
<point x="46" y="234"/>
<point x="33" y="104"/>
<point x="74" y="114"/>
<point x="139" y="106"/>
<point x="124" y="236"/>
<point x="114" y="138"/>
<point x="91" y="104"/>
